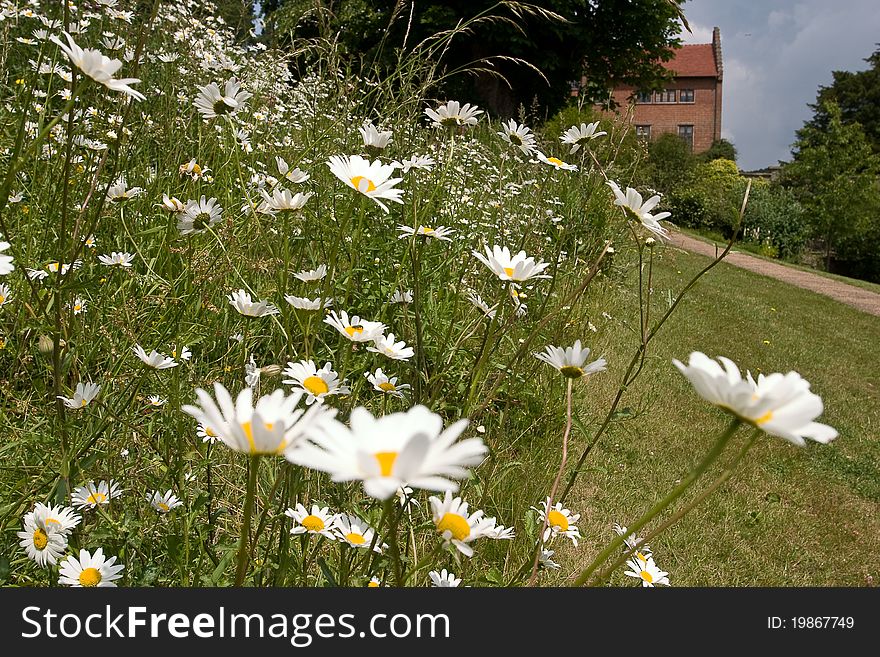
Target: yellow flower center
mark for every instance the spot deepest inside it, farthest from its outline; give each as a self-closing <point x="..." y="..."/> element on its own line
<point x="764" y="418"/>
<point x="427" y="230"/>
<point x="351" y="330"/>
<point x="209" y="432"/>
<point x="387" y="387"/>
<point x="363" y="185"/>
<point x="316" y="385"/>
<point x="90" y="577"/>
<point x="641" y="557"/>
<point x="647" y="576"/>
<point x="356" y="539"/>
<point x="313" y="523"/>
<point x="509" y="271"/>
<point x="96" y="498"/>
<point x="373" y="584"/>
<point x="556" y="161"/>
<point x="571" y="371"/>
<point x="83" y="402"/>
<point x="2" y="299"/>
<point x="163" y="507"/>
<point x="556" y="519"/>
<point x="40" y="539"/>
<point x="196" y="169"/>
<point x="386" y="462"/>
<point x="455" y="524"/>
<point x="249" y="432"/>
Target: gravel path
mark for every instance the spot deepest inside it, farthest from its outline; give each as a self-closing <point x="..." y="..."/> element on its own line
<point x="857" y="297"/>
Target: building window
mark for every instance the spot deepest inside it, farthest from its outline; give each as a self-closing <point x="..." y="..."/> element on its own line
<point x="686" y="96"/>
<point x="643" y="132"/>
<point x="643" y="97"/>
<point x="666" y="96"/>
<point x="686" y="132"/>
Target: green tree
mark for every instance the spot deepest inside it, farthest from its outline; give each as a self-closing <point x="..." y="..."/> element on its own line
<point x="834" y="175"/>
<point x="608" y="41"/>
<point x="720" y="149"/>
<point x="858" y="97"/>
<point x="671" y="163"/>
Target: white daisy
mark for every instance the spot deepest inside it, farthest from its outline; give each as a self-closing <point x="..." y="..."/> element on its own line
<point x="385" y="345"/>
<point x="90" y="495"/>
<point x="79" y="306"/>
<point x="172" y="204"/>
<point x="546" y="560"/>
<point x="271" y="426"/>
<point x="372" y="179"/>
<point x="304" y="303"/>
<point x="516" y="268"/>
<point x="397" y="449"/>
<point x="477" y="300"/>
<point x="387" y="385"/>
<point x="647" y="571"/>
<point x="62" y="518"/>
<point x="355" y="532"/>
<point x="163" y="503"/>
<point x="560" y="521"/>
<point x="42" y="543"/>
<point x="116" y="258"/>
<point x="98" y="67"/>
<point x="640" y="211"/>
<point x="199" y="215"/>
<point x="281" y="200"/>
<point x="317" y="383"/>
<point x="443" y="579"/>
<point x="421" y="162"/>
<point x="207" y="434"/>
<point x="555" y="162"/>
<point x="454" y="114"/>
<point x="375" y="140"/>
<point x="89" y="570"/>
<point x="441" y="233"/>
<point x="82" y="396"/>
<point x="519" y="136"/>
<point x="156" y="401"/>
<point x="780" y="404"/>
<point x="401" y="296"/>
<point x="292" y="175"/>
<point x="193" y="169"/>
<point x="211" y="102"/>
<point x="354" y="328"/>
<point x="579" y="136"/>
<point x="5" y="294"/>
<point x="6" y="266"/>
<point x="317" y="521"/>
<point x="311" y="275"/>
<point x="570" y="361"/>
<point x="455" y="525"/>
<point x="154" y="359"/>
<point x="119" y="191"/>
<point x="242" y="302"/>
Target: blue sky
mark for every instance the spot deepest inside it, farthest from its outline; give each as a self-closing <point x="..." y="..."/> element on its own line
<point x="776" y="54"/>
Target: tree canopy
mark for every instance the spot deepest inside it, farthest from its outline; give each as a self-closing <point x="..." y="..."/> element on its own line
<point x="608" y="41"/>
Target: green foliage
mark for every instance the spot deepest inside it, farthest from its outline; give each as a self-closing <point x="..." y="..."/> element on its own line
<point x="607" y="41"/>
<point x="834" y="175"/>
<point x="720" y="149"/>
<point x="720" y="188"/>
<point x="671" y="163"/>
<point x="776" y="220"/>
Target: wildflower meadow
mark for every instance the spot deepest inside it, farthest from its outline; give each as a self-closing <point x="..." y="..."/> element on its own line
<point x="268" y="321"/>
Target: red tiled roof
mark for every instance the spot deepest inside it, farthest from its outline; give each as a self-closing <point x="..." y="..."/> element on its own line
<point x="695" y="61"/>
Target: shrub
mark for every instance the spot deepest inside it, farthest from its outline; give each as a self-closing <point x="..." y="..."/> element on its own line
<point x="776" y="220"/>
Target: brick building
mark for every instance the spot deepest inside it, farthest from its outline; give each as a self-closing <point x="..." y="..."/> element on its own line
<point x="691" y="105"/>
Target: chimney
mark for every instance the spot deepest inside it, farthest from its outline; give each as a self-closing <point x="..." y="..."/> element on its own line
<point x="716" y="50"/>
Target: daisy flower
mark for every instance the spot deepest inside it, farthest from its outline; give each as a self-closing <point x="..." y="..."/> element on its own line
<point x="560" y="521"/>
<point x="401" y="296"/>
<point x="82" y="396"/>
<point x="193" y="169"/>
<point x="44" y="544"/>
<point x="355" y="532"/>
<point x="6" y="266"/>
<point x="116" y="258"/>
<point x="242" y="302"/>
<point x="516" y="268"/>
<point x="304" y="303"/>
<point x="156" y="401"/>
<point x="421" y="162"/>
<point x="779" y="404"/>
<point x="98" y="67"/>
<point x="640" y="211"/>
<point x="441" y="233"/>
<point x="405" y="496"/>
<point x="317" y="383"/>
<point x="455" y="525"/>
<point x="163" y="503"/>
<point x="477" y="300"/>
<point x="374" y="583"/>
<point x="546" y="560"/>
<point x="454" y="114"/>
<point x="387" y="385"/>
<point x="90" y="496"/>
<point x="385" y="345"/>
<point x="311" y="275"/>
<point x="207" y="434"/>
<point x="185" y="353"/>
<point x="292" y="175"/>
<point x="375" y="140"/>
<point x="61" y="518"/>
<point x="199" y="215"/>
<point x="119" y="191"/>
<point x="519" y="136"/>
<point x="555" y="162"/>
<point x="211" y="102"/>
<point x="580" y="136"/>
<point x="647" y="571"/>
<point x="282" y="200"/>
<point x="53" y="267"/>
<point x="631" y="541"/>
<point x="79" y="306"/>
<point x="271" y="426"/>
<point x="354" y="328"/>
<point x="397" y="449"/>
<point x="317" y="521"/>
<point x="500" y="532"/>
<point x="89" y="570"/>
<point x="5" y="294"/>
<point x="172" y="204"/>
<point x="154" y="359"/>
<point x="372" y="179"/>
<point x="570" y="361"/>
<point x="443" y="579"/>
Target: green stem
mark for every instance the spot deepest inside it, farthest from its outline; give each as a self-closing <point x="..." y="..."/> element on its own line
<point x="660" y="506"/>
<point x="242" y="560"/>
<point x="394" y="548"/>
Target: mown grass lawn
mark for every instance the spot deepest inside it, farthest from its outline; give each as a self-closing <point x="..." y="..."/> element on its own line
<point x="790" y="516"/>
